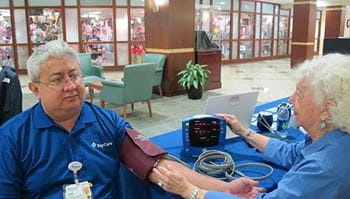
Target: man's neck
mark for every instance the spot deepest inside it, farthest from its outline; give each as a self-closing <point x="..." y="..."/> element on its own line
<point x="66" y="120"/>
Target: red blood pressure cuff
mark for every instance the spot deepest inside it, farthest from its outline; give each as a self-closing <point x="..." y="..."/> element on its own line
<point x="139" y="154"/>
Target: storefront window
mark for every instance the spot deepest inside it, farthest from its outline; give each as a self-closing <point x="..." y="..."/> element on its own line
<point x="206" y="2"/>
<point x="44" y="2"/>
<point x="267" y="8"/>
<point x="235" y="26"/>
<point x="20" y="25"/>
<point x="266" y="27"/>
<point x="235" y="5"/>
<point x="6" y="55"/>
<point x="283" y="28"/>
<point x="220" y="25"/>
<point x="225" y="49"/>
<point x="284" y="12"/>
<point x="102" y="54"/>
<point x="247" y="26"/>
<point x="282" y="47"/>
<point x="222" y="4"/>
<point x="123" y="53"/>
<point x="246" y="49"/>
<point x="137" y="25"/>
<point x="234" y="50"/>
<point x="70" y="2"/>
<point x="4" y="3"/>
<point x="45" y="25"/>
<point x="5" y="27"/>
<point x="96" y="24"/>
<point x="137" y="3"/>
<point x="18" y="2"/>
<point x="121" y="2"/>
<point x="258" y="7"/>
<point x="202" y="19"/>
<point x="256" y="52"/>
<point x="275" y="27"/>
<point x="257" y="27"/>
<point x="247" y="6"/>
<point x="122" y="24"/>
<point x="265" y="48"/>
<point x="23" y="55"/>
<point x="72" y="25"/>
<point x="96" y="2"/>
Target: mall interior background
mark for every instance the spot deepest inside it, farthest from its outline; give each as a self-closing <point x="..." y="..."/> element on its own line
<point x="111" y="29"/>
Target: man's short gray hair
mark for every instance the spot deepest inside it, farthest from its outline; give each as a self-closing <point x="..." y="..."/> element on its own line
<point x="55" y="48"/>
<point x="329" y="75"/>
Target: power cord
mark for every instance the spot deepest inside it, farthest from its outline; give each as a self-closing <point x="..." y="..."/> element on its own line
<point x="205" y="164"/>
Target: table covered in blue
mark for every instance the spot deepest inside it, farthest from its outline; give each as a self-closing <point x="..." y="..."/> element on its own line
<point x="132" y="187"/>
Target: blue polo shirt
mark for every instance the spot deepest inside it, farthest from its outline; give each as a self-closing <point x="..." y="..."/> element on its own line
<point x="316" y="169"/>
<point x="35" y="153"/>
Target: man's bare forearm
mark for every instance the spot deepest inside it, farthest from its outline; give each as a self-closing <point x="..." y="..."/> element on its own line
<point x="197" y="179"/>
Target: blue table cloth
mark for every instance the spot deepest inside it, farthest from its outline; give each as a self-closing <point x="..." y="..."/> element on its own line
<point x="240" y="150"/>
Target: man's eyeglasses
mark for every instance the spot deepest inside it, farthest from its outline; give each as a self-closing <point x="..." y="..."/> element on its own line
<point x="60" y="81"/>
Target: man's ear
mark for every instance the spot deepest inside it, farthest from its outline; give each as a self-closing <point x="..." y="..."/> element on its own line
<point x="34" y="88"/>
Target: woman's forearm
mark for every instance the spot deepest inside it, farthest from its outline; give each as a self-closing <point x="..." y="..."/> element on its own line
<point x="258" y="141"/>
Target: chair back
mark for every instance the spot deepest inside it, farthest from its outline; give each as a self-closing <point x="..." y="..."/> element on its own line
<point x="138" y="80"/>
<point x="159" y="60"/>
<point x="85" y="63"/>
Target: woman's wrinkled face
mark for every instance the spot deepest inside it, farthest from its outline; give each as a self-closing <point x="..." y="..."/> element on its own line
<point x="307" y="112"/>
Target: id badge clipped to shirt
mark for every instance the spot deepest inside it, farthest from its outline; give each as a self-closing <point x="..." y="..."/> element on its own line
<point x="77" y="191"/>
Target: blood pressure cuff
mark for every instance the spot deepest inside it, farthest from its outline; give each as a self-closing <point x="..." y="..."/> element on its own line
<point x="139" y="154"/>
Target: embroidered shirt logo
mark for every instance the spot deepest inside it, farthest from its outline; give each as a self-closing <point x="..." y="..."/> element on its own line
<point x="101" y="146"/>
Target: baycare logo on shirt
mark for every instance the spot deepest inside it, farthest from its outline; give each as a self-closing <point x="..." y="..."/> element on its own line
<point x="101" y="146"/>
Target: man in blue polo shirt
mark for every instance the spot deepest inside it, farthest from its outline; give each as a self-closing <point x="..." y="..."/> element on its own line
<point x="38" y="145"/>
<point x="63" y="146"/>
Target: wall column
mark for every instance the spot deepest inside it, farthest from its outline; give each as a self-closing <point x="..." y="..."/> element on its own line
<point x="170" y="31"/>
<point x="335" y="21"/>
<point x="304" y="23"/>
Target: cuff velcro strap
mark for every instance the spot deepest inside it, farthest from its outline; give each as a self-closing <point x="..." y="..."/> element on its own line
<point x="139" y="154"/>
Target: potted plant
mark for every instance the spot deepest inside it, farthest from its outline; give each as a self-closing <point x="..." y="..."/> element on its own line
<point x="193" y="78"/>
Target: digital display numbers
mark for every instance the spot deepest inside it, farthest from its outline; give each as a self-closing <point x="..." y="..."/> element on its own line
<point x="204" y="132"/>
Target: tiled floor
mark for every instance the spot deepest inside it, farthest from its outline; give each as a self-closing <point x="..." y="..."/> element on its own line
<point x="273" y="79"/>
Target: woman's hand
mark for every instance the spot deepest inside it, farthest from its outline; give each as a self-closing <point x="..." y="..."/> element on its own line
<point x="244" y="187"/>
<point x="233" y="124"/>
<point x="172" y="181"/>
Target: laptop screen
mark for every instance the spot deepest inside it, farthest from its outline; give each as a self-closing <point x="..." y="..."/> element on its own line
<point x="241" y="105"/>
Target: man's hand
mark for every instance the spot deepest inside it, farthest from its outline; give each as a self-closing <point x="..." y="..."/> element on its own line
<point x="244" y="187"/>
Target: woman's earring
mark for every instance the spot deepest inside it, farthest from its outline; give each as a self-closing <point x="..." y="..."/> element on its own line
<point x="323" y="125"/>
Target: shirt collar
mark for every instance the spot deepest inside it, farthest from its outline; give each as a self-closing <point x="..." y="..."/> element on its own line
<point x="328" y="138"/>
<point x="44" y="121"/>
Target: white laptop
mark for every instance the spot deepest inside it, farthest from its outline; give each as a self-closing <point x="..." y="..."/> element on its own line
<point x="241" y="105"/>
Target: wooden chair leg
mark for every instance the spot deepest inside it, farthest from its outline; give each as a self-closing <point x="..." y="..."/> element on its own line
<point x="91" y="93"/>
<point x="160" y="90"/>
<point x="149" y="107"/>
<point x="125" y="109"/>
<point x="102" y="103"/>
<point x="132" y="106"/>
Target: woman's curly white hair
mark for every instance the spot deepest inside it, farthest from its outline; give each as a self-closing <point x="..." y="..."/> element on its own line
<point x="330" y="77"/>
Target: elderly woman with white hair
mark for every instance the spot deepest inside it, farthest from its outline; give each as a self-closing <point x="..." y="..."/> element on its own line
<point x="318" y="166"/>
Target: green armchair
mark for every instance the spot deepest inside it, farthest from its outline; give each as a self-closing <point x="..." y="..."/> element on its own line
<point x="136" y="86"/>
<point x="159" y="60"/>
<point x="91" y="73"/>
